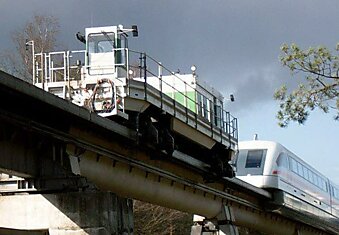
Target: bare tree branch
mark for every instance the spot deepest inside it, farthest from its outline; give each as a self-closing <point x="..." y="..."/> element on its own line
<point x="43" y="30"/>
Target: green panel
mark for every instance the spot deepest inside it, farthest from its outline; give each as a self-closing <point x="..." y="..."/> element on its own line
<point x="182" y="99"/>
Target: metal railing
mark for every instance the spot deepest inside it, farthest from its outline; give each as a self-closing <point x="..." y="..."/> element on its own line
<point x="148" y="68"/>
<point x="66" y="66"/>
<point x="58" y="66"/>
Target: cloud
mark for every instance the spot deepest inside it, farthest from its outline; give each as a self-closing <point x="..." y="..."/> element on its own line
<point x="234" y="44"/>
<point x="254" y="87"/>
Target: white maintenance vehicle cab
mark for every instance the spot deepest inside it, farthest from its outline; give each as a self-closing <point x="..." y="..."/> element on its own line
<point x="171" y="111"/>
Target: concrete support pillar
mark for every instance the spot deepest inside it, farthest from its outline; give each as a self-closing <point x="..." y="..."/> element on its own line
<point x="222" y="224"/>
<point x="226" y="220"/>
<point x="94" y="213"/>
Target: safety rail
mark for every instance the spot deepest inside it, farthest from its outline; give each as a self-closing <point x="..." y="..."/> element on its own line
<point x="66" y="66"/>
<point x="225" y="122"/>
<point x="58" y="66"/>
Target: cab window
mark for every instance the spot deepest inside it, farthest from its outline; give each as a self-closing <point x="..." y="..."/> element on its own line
<point x="251" y="161"/>
<point x="101" y="43"/>
<point x="254" y="158"/>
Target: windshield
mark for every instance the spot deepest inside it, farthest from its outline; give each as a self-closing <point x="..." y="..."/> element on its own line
<point x="251" y="161"/>
<point x="101" y="42"/>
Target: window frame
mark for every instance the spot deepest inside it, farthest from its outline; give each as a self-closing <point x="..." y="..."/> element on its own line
<point x="94" y="49"/>
<point x="283" y="160"/>
<point x="253" y="162"/>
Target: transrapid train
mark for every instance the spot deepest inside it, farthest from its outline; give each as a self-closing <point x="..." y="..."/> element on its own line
<point x="299" y="190"/>
<point x="170" y="111"/>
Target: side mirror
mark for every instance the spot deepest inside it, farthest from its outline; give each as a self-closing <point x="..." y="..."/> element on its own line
<point x="80" y="37"/>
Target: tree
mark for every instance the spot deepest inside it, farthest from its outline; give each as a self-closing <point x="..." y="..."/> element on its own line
<point x="320" y="88"/>
<point x="152" y="219"/>
<point x="43" y="31"/>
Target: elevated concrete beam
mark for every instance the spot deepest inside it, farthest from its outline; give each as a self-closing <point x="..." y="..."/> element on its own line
<point x="139" y="184"/>
<point x="72" y="213"/>
<point x="18" y="159"/>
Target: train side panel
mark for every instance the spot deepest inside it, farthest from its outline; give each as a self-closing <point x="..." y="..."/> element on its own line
<point x="334" y="199"/>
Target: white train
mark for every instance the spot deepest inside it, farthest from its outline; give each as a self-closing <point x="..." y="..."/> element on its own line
<point x="298" y="189"/>
<point x="170" y="111"/>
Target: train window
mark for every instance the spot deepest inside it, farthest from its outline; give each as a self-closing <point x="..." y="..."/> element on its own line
<point x="105" y="46"/>
<point x="254" y="158"/>
<point x="203" y="106"/>
<point x="217" y="115"/>
<point x="293" y="165"/>
<point x="335" y="192"/>
<point x="305" y="174"/>
<point x="325" y="186"/>
<point x="282" y="160"/>
<point x="300" y="169"/>
<point x="322" y="183"/>
<point x="251" y="161"/>
<point x="100" y="43"/>
<point x="305" y="171"/>
<point x="199" y="104"/>
<point x="310" y="176"/>
<point x="316" y="179"/>
<point x="320" y="180"/>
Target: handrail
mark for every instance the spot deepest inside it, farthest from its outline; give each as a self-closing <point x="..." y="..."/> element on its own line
<point x="149" y="68"/>
<point x="228" y="123"/>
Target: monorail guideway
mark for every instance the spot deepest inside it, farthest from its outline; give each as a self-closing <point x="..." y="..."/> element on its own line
<point x="106" y="158"/>
<point x="170" y="111"/>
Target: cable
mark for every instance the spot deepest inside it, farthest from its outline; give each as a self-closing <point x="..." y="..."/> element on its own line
<point x="107" y="106"/>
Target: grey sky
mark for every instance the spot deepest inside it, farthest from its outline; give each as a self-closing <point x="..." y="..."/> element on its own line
<point x="234" y="44"/>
